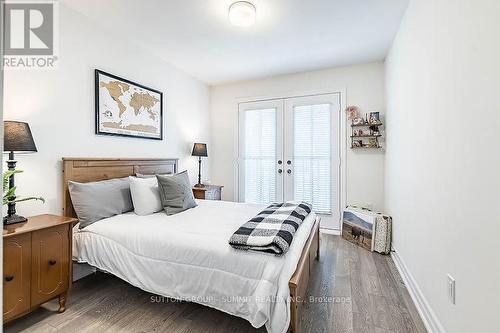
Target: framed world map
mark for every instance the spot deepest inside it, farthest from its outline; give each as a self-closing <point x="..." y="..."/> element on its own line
<point x="126" y="108"/>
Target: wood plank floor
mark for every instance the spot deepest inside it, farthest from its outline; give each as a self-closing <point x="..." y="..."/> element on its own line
<point x="351" y="290"/>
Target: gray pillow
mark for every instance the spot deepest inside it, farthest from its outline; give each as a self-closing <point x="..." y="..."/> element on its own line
<point x="175" y="193"/>
<point x="98" y="200"/>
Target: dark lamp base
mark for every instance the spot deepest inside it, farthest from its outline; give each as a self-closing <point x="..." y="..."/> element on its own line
<point x="199" y="185"/>
<point x="11" y="219"/>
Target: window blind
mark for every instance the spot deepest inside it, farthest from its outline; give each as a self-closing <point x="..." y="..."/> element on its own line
<point x="260" y="156"/>
<point x="312" y="160"/>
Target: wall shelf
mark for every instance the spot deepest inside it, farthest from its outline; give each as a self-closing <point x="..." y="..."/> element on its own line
<point x="366" y="136"/>
<point x="366" y="147"/>
<point x="366" y="125"/>
<point x="360" y="134"/>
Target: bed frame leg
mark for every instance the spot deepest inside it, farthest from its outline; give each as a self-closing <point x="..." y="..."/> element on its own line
<point x="317" y="251"/>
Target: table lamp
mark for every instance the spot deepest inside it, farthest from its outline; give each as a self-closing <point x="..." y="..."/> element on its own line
<point x="200" y="150"/>
<point x="17" y="138"/>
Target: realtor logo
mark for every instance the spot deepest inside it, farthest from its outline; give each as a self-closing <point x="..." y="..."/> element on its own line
<point x="30" y="34"/>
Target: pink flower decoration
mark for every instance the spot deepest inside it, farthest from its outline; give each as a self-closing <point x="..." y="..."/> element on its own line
<point x="352" y="112"/>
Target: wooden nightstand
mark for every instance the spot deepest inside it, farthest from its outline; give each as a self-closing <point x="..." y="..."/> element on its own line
<point x="36" y="263"/>
<point x="208" y="192"/>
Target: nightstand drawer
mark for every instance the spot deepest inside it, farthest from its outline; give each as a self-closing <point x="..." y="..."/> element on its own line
<point x="213" y="194"/>
<point x="208" y="192"/>
<point x="50" y="263"/>
<point x="16" y="275"/>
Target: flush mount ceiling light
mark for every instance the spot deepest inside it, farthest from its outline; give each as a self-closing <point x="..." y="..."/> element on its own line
<point x="242" y="13"/>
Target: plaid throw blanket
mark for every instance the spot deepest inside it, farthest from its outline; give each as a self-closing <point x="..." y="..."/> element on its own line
<point x="272" y="229"/>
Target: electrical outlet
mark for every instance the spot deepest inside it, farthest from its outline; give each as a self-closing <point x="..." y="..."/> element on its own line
<point x="451" y="288"/>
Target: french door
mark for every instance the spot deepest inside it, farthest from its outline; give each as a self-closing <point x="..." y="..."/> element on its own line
<point x="289" y="150"/>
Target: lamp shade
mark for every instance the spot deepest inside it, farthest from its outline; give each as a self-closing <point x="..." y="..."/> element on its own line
<point x="199" y="149"/>
<point x="17" y="137"/>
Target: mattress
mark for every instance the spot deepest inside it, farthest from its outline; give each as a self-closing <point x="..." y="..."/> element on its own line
<point x="187" y="256"/>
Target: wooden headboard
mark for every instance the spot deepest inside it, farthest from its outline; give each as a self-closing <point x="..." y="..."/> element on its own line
<point x="84" y="170"/>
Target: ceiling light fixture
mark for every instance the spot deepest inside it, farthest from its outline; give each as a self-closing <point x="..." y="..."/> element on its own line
<point x="242" y="13"/>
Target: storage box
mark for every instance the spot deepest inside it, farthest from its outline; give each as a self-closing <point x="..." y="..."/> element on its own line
<point x="367" y="229"/>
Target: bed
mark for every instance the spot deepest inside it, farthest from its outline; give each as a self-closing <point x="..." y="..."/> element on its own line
<point x="187" y="256"/>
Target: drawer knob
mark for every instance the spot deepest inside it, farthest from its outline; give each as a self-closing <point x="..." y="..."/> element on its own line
<point x="52" y="262"/>
<point x="9" y="278"/>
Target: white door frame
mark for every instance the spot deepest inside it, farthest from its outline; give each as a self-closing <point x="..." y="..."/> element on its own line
<point x="342" y="142"/>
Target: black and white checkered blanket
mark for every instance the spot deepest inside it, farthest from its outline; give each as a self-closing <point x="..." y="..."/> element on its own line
<point x="272" y="229"/>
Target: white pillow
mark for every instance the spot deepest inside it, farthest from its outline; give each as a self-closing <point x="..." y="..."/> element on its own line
<point x="145" y="195"/>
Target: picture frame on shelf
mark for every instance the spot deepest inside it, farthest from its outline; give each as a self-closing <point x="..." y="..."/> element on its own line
<point x="372" y="143"/>
<point x="374" y="118"/>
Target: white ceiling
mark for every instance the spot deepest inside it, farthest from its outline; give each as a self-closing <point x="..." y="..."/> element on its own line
<point x="289" y="35"/>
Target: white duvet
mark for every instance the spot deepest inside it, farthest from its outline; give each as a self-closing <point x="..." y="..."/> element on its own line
<point x="187" y="256"/>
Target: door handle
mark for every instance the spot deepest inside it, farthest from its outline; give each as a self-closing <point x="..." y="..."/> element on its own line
<point x="280" y="171"/>
<point x="9" y="278"/>
<point x="288" y="162"/>
<point x="289" y="171"/>
<point x="52" y="262"/>
<point x="280" y="162"/>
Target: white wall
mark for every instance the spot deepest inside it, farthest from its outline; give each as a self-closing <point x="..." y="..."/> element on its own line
<point x="59" y="106"/>
<point x="364" y="86"/>
<point x="443" y="161"/>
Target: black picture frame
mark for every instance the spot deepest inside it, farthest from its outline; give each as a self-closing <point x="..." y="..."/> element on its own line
<point x="98" y="72"/>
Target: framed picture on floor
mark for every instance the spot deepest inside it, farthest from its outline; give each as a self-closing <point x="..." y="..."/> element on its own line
<point x="126" y="108"/>
<point x="357" y="227"/>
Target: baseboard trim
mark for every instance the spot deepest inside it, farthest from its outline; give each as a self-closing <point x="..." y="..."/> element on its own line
<point x="329" y="231"/>
<point x="425" y="311"/>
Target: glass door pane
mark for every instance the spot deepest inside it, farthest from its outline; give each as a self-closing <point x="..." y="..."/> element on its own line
<point x="260" y="150"/>
<point x="312" y="155"/>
